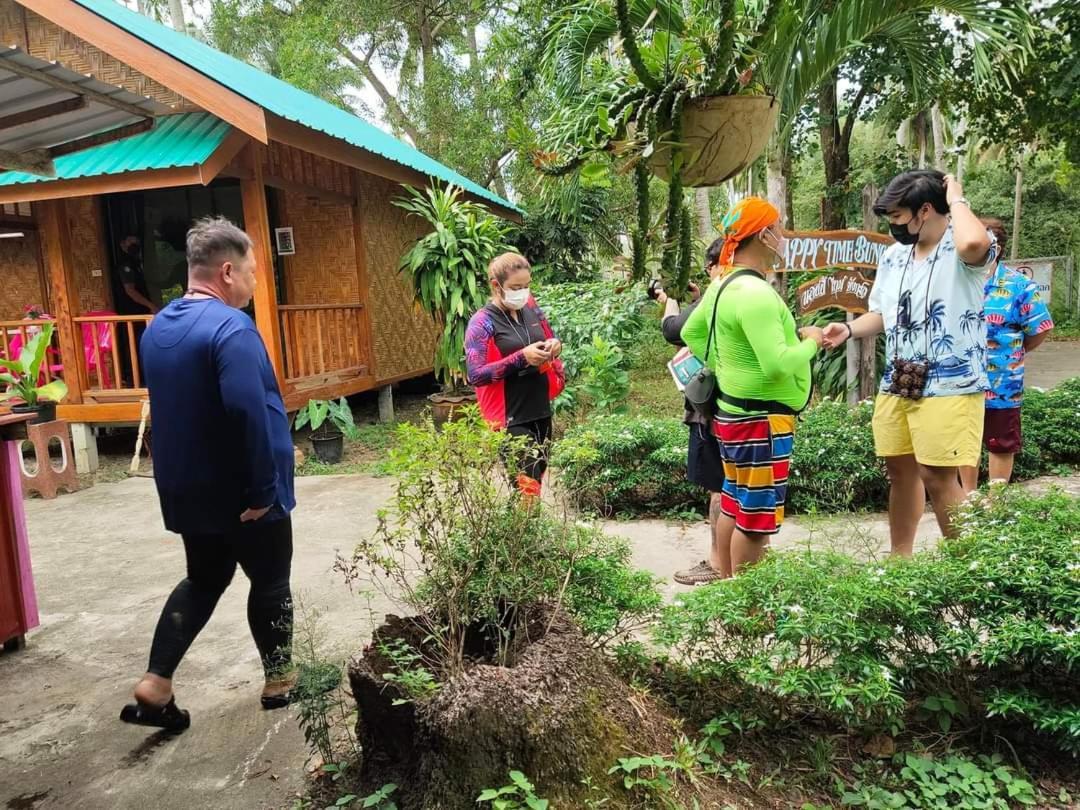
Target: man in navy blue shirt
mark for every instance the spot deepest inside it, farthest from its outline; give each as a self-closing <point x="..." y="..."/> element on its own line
<point x="223" y="465"/>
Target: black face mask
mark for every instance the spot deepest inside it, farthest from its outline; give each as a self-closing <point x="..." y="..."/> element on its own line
<point x="901" y="233"/>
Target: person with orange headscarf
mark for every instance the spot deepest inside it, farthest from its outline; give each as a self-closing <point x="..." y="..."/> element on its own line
<point x="744" y="331"/>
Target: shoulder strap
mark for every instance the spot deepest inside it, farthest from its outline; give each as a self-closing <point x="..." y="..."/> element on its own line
<point x="716" y="302"/>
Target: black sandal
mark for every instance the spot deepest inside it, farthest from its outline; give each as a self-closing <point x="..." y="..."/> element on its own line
<point x="168" y="717"/>
<point x="271" y="702"/>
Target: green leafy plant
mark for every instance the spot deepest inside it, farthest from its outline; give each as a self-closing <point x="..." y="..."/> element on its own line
<point x="411" y="676"/>
<point x="316" y="412"/>
<point x="627" y="465"/>
<point x="322" y="711"/>
<point x="951" y="781"/>
<point x="380" y="799"/>
<point x="984" y="631"/>
<point x="605" y="381"/>
<point x="461" y="551"/>
<point x="448" y="267"/>
<point x="21" y="376"/>
<point x="518" y="795"/>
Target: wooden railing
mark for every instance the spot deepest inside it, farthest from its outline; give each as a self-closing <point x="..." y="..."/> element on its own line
<point x="324" y="339"/>
<point x="16" y="334"/>
<point x="105" y="366"/>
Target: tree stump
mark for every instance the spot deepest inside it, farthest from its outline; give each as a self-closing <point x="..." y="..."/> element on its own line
<point x="558" y="714"/>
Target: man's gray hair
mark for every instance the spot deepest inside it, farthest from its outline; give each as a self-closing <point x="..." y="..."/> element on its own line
<point x="214" y="240"/>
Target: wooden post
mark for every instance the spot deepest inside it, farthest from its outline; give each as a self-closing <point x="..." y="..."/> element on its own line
<point x="55" y="233"/>
<point x="257" y="225"/>
<point x="386" y="404"/>
<point x="359" y="245"/>
<point x="868" y="372"/>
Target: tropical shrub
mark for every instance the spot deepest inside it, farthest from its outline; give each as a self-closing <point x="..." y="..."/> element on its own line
<point x="637" y="465"/>
<point x="470" y="559"/>
<point x="448" y="266"/>
<point x="982" y="632"/>
<point x="612" y="311"/>
<point x="833" y="466"/>
<point x="627" y="465"/>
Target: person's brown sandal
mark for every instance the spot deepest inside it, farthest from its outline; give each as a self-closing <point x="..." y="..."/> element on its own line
<point x="700" y="574"/>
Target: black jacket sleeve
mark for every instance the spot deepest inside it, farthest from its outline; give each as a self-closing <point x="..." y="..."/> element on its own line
<point x="672" y="325"/>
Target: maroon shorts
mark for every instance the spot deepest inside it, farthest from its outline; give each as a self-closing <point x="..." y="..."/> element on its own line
<point x="1001" y="430"/>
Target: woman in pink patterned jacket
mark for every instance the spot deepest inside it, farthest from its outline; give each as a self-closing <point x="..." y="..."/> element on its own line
<point x="512" y="358"/>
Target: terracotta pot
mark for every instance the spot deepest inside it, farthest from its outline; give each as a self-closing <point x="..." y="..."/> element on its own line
<point x="447" y="407"/>
<point x="723" y="135"/>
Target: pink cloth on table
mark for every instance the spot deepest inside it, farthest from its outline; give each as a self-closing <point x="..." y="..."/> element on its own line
<point x="10" y="456"/>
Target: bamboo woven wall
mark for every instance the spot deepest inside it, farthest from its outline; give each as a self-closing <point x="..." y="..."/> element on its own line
<point x="323" y="271"/>
<point x="404" y="337"/>
<point x="41" y="38"/>
<point x="88" y="253"/>
<point x="298" y="166"/>
<point x="20" y="278"/>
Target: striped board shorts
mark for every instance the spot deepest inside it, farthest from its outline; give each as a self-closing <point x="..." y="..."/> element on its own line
<point x="756" y="451"/>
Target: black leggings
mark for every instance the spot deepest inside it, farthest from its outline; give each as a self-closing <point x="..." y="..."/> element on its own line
<point x="264" y="551"/>
<point x="533" y="461"/>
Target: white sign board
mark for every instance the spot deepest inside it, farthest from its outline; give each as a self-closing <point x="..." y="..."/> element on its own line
<point x="1041" y="271"/>
<point x="283" y="237"/>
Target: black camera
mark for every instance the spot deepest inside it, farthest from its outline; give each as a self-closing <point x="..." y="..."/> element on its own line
<point x="908" y="378"/>
<point x="656" y="286"/>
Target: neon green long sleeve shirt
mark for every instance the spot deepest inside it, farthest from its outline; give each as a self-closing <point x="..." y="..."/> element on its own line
<point x="756" y="352"/>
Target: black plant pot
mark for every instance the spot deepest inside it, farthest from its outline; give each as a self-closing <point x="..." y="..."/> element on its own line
<point x="45" y="411"/>
<point x="329" y="446"/>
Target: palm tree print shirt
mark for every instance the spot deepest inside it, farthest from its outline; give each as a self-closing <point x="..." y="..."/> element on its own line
<point x="1014" y="311"/>
<point x="933" y="313"/>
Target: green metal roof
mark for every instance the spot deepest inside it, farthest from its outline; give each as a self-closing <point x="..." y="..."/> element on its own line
<point x="186" y="139"/>
<point x="280" y="97"/>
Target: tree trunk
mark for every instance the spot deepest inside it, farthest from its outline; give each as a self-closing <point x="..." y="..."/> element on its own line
<point x="920" y="134"/>
<point x="706" y="228"/>
<point x="776" y="181"/>
<point x="176" y="14"/>
<point x="474" y="49"/>
<point x="835" y="156"/>
<point x="1018" y="200"/>
<point x="937" y="120"/>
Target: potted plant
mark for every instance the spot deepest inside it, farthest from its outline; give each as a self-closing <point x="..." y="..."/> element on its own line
<point x="685" y="102"/>
<point x="23" y="375"/>
<point x="448" y="270"/>
<point x="331" y="423"/>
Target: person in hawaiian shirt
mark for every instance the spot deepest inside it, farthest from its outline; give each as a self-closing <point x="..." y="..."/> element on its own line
<point x="1017" y="322"/>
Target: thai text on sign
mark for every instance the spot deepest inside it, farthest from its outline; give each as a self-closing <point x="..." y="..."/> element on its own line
<point x="848" y="290"/>
<point x="816" y="250"/>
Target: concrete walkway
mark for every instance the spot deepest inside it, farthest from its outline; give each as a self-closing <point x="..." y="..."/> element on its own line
<point x="103" y="567"/>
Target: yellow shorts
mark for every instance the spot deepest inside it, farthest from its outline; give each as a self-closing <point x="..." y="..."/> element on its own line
<point x="938" y="431"/>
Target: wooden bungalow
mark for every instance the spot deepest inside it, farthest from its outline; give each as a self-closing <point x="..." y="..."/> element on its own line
<point x="112" y="125"/>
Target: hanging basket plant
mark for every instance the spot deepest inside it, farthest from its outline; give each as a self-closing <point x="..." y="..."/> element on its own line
<point x="683" y="104"/>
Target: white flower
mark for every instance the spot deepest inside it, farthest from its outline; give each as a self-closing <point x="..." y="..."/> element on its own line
<point x="796" y="609"/>
<point x="974" y="565"/>
<point x="990" y="585"/>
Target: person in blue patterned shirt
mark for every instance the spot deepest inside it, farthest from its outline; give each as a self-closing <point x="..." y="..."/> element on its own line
<point x="1017" y="322"/>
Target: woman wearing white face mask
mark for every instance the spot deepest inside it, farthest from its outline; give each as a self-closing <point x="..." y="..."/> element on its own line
<point x="512" y="358"/>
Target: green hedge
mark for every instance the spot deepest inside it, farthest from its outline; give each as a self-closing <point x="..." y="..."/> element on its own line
<point x="637" y="466"/>
<point x="978" y="636"/>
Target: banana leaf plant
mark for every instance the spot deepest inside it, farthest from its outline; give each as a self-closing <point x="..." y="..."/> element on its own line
<point x="21" y="376"/>
<point x="448" y="268"/>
